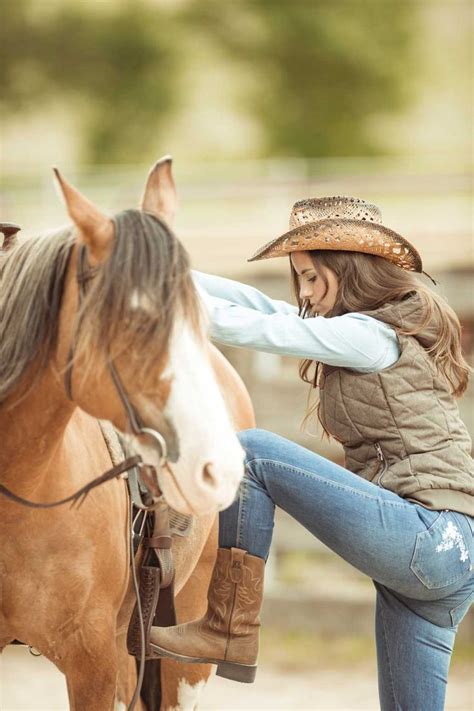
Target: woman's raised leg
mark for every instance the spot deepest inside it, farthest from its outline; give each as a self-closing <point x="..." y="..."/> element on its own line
<point x="370" y="527"/>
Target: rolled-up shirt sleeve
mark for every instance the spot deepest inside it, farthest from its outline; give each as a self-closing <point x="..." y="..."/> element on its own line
<point x="241" y="294"/>
<point x="353" y="340"/>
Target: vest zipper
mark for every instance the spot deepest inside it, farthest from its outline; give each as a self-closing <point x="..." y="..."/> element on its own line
<point x="382" y="459"/>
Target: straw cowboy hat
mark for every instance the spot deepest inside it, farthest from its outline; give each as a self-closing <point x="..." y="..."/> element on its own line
<point x="341" y="223"/>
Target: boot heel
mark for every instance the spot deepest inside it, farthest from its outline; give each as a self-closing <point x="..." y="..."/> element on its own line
<point x="237" y="672"/>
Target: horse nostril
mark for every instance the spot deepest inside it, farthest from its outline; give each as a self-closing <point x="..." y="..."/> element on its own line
<point x="209" y="476"/>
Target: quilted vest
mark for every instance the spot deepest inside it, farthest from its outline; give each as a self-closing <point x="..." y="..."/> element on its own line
<point x="400" y="427"/>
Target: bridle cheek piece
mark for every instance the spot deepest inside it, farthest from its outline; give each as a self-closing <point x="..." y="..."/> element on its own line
<point x="136" y="424"/>
<point x="148" y="471"/>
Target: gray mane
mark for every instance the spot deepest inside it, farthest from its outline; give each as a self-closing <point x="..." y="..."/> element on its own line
<point x="146" y="259"/>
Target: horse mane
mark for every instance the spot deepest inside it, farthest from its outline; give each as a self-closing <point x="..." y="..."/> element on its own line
<point x="31" y="284"/>
<point x="130" y="304"/>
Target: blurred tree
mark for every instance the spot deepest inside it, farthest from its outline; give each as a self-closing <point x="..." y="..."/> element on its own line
<point x="319" y="71"/>
<point x="116" y="63"/>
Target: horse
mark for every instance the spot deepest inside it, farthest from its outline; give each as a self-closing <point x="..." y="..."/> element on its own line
<point x="65" y="585"/>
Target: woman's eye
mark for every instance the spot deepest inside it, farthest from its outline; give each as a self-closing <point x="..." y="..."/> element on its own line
<point x="312" y="279"/>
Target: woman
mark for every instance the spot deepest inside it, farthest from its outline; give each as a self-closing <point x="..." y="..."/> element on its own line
<point x="387" y="361"/>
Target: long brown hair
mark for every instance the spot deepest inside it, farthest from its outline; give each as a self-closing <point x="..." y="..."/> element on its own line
<point x="367" y="282"/>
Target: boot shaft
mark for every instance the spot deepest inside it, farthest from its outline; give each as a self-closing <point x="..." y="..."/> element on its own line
<point x="234" y="599"/>
<point x="228" y="634"/>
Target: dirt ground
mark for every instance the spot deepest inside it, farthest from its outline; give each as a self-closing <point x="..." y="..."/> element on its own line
<point x="33" y="684"/>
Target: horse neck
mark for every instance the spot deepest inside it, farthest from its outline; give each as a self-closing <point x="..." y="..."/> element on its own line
<point x="32" y="423"/>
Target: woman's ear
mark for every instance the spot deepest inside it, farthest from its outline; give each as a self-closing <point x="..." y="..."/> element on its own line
<point x="95" y="229"/>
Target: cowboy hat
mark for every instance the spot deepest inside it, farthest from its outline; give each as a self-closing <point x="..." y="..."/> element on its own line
<point x="341" y="223"/>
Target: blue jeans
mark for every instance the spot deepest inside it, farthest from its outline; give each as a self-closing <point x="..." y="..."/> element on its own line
<point x="421" y="561"/>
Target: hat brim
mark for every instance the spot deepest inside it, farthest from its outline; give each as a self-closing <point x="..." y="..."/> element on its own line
<point x="344" y="235"/>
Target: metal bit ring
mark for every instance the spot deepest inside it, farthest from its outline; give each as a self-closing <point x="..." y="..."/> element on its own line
<point x="159" y="440"/>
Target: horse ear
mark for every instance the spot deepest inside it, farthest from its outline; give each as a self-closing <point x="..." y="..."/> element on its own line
<point x="159" y="197"/>
<point x="9" y="231"/>
<point x="95" y="229"/>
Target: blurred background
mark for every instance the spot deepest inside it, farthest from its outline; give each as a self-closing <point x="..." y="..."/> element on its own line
<point x="261" y="103"/>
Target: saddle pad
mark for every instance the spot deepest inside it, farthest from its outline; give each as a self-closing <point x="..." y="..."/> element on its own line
<point x="112" y="440"/>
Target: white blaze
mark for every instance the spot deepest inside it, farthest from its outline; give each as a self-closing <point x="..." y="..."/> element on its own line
<point x="206" y="436"/>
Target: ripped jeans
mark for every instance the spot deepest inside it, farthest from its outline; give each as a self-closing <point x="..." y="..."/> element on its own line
<point x="421" y="561"/>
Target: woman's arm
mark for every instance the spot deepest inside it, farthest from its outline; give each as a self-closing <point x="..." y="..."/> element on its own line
<point x="352" y="341"/>
<point x="242" y="294"/>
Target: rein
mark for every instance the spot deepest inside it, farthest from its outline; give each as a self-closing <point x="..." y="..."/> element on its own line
<point x="81" y="493"/>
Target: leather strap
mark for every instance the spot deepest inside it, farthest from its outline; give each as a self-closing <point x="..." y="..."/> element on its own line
<point x="161" y="534"/>
<point x="149" y="594"/>
<point x="81" y="493"/>
<point x="136" y="423"/>
<point x="84" y="274"/>
<point x="158" y="542"/>
<point x="139" y="496"/>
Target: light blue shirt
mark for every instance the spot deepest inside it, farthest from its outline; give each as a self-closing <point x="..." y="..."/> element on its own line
<point x="243" y="316"/>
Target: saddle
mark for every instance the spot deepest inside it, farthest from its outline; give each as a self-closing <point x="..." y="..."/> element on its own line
<point x="156" y="573"/>
<point x="153" y="528"/>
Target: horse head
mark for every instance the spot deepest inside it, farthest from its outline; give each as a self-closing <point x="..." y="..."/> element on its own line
<point x="133" y="340"/>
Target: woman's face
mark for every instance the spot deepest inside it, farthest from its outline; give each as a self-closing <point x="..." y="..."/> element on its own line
<point x="317" y="284"/>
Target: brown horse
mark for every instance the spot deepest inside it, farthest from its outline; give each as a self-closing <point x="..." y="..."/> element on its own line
<point x="65" y="573"/>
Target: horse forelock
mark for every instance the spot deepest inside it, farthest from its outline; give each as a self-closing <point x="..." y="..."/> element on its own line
<point x="140" y="292"/>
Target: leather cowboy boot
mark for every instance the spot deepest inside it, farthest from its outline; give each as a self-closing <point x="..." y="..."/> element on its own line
<point x="228" y="633"/>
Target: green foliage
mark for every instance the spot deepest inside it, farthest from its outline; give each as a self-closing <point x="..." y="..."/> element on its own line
<point x="319" y="70"/>
<point x="117" y="64"/>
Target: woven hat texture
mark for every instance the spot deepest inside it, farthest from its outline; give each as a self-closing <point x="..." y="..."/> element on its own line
<point x="341" y="223"/>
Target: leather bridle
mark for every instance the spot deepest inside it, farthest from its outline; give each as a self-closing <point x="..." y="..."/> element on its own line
<point x="149" y="472"/>
<point x="84" y="275"/>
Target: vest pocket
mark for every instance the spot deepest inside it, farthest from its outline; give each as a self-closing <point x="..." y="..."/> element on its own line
<point x="441" y="556"/>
